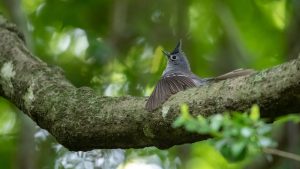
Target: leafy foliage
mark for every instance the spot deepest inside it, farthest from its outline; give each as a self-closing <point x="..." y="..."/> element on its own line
<point x="234" y="134"/>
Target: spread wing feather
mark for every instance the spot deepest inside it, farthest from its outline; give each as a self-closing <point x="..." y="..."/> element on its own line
<point x="167" y="86"/>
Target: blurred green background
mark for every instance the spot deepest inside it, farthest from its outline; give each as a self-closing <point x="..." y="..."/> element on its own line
<point x="114" y="46"/>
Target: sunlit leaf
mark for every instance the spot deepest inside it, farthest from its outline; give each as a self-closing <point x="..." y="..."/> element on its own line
<point x="254" y="113"/>
<point x="184" y="109"/>
<point x="216" y="122"/>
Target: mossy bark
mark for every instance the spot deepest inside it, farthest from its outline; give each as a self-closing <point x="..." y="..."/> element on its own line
<point x="81" y="120"/>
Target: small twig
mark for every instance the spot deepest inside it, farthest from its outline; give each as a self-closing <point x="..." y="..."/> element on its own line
<point x="282" y="153"/>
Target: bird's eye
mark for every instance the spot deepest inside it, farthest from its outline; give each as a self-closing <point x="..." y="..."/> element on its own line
<point x="173" y="57"/>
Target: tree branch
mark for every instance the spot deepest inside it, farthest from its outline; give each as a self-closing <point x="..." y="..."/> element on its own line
<point x="280" y="153"/>
<point x="81" y="120"/>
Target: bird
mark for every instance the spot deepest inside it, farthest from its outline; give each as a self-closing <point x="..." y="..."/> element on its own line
<point x="178" y="76"/>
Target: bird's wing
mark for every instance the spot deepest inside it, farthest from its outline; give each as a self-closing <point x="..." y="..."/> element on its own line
<point x="233" y="74"/>
<point x="167" y="86"/>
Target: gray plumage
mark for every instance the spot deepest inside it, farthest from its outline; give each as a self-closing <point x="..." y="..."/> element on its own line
<point x="178" y="76"/>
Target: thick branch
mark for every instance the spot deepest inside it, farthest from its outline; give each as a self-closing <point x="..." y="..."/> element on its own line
<point x="81" y="120"/>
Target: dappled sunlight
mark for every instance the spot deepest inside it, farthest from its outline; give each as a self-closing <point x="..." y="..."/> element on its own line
<point x="150" y="162"/>
<point x="156" y="16"/>
<point x="81" y="42"/>
<point x="72" y="41"/>
<point x="32" y="6"/>
<point x="59" y="42"/>
<point x="276" y="10"/>
<point x="104" y="159"/>
<point x="150" y="158"/>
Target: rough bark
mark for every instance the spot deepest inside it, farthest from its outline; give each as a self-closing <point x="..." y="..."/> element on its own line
<point x="81" y="120"/>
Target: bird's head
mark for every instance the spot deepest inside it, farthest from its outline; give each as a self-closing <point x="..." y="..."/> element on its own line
<point x="177" y="59"/>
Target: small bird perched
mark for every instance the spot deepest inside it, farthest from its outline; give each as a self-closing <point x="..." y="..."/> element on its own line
<point x="178" y="76"/>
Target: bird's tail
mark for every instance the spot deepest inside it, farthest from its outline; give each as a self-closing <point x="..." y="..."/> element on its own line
<point x="233" y="74"/>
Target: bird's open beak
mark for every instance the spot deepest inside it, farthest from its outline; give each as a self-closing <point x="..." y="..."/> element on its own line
<point x="166" y="53"/>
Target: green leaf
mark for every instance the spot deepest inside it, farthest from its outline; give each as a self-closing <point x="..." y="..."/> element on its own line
<point x="264" y="130"/>
<point x="192" y="126"/>
<point x="201" y="120"/>
<point x="266" y="142"/>
<point x="291" y="117"/>
<point x="254" y="113"/>
<point x="180" y="121"/>
<point x="238" y="148"/>
<point x="216" y="122"/>
<point x="246" y="132"/>
<point x="235" y="152"/>
<point x="184" y="117"/>
<point x="184" y="109"/>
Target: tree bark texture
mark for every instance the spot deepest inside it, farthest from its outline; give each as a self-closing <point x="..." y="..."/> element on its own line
<point x="81" y="120"/>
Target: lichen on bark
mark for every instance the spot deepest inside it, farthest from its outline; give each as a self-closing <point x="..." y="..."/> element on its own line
<point x="7" y="73"/>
